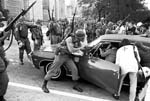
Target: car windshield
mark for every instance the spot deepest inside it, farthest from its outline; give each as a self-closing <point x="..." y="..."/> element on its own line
<point x="95" y="42"/>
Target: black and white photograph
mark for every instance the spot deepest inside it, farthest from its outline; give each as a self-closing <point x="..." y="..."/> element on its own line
<point x="74" y="50"/>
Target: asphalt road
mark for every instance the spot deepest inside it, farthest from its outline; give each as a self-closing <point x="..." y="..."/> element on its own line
<point x="25" y="83"/>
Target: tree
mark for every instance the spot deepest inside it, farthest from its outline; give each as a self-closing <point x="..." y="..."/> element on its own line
<point x="118" y="9"/>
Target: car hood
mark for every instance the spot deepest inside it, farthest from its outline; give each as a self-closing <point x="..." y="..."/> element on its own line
<point x="50" y="48"/>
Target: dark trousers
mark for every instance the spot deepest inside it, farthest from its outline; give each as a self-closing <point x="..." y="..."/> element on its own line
<point x="26" y="47"/>
<point x="37" y="45"/>
<point x="58" y="62"/>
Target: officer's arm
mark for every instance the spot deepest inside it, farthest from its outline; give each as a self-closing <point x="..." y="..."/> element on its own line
<point x="3" y="35"/>
<point x="106" y="53"/>
<point x="70" y="45"/>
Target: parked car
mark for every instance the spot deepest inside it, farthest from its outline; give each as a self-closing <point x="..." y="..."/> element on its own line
<point x="91" y="66"/>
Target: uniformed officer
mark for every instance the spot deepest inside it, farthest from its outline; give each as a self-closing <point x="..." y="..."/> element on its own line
<point x="21" y="36"/>
<point x="3" y="65"/>
<point x="54" y="32"/>
<point x="37" y="36"/>
<point x="71" y="45"/>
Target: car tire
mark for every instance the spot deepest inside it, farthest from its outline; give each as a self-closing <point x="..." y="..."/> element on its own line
<point x="61" y="73"/>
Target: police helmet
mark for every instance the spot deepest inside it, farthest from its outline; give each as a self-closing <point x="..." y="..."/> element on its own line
<point x="80" y="33"/>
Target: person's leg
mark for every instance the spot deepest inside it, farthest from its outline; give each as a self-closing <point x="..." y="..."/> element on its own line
<point x="133" y="86"/>
<point x="28" y="49"/>
<point x="143" y="91"/>
<point x="59" y="60"/>
<point x="121" y="83"/>
<point x="21" y="53"/>
<point x="117" y="95"/>
<point x="35" y="46"/>
<point x="52" y="39"/>
<point x="75" y="76"/>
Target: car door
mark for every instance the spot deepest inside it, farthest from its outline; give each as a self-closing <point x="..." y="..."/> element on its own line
<point x="105" y="73"/>
<point x="100" y="72"/>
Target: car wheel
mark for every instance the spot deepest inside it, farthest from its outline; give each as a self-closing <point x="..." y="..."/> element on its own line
<point x="60" y="74"/>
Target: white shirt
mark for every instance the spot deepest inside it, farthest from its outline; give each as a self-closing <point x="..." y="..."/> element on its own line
<point x="125" y="58"/>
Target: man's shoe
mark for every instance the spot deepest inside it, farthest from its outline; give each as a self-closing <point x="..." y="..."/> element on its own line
<point x="116" y="96"/>
<point x="2" y="98"/>
<point x="21" y="63"/>
<point x="77" y="88"/>
<point x="45" y="89"/>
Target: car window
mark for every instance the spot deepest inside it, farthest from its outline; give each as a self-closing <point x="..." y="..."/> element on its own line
<point x="103" y="45"/>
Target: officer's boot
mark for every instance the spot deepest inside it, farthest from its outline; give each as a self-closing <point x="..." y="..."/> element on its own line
<point x="44" y="86"/>
<point x="2" y="98"/>
<point x="77" y="87"/>
<point x="21" y="62"/>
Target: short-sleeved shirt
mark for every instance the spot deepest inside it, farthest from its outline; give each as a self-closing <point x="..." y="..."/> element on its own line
<point x="125" y="58"/>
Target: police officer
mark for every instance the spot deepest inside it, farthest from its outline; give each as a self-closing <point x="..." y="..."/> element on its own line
<point x="37" y="36"/>
<point x="63" y="55"/>
<point x="21" y="36"/>
<point x="3" y="65"/>
<point x="54" y="32"/>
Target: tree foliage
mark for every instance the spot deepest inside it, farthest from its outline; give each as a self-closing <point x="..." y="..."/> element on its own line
<point x="114" y="10"/>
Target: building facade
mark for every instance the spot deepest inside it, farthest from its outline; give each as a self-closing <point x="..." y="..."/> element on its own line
<point x="15" y="7"/>
<point x="56" y="8"/>
<point x="40" y="9"/>
<point x="71" y="5"/>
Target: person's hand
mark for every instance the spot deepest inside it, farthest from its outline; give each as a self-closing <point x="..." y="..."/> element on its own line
<point x="100" y="49"/>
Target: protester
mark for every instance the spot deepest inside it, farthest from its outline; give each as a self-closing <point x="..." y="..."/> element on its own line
<point x="125" y="58"/>
<point x="144" y="54"/>
<point x="110" y="53"/>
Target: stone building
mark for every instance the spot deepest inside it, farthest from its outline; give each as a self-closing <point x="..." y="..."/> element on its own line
<point x="55" y="6"/>
<point x="16" y="6"/>
<point x="40" y="9"/>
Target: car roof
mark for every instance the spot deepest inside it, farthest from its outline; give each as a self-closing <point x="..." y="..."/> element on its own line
<point x="119" y="38"/>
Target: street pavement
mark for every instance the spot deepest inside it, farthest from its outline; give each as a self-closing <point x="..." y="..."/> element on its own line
<point x="25" y="83"/>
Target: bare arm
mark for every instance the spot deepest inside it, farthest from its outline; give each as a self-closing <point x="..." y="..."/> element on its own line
<point x="70" y="45"/>
<point x="104" y="54"/>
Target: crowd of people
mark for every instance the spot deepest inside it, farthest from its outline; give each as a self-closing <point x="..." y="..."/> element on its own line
<point x="119" y="56"/>
<point x="58" y="29"/>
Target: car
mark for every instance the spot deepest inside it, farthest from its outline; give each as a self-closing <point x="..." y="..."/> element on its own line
<point x="92" y="67"/>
